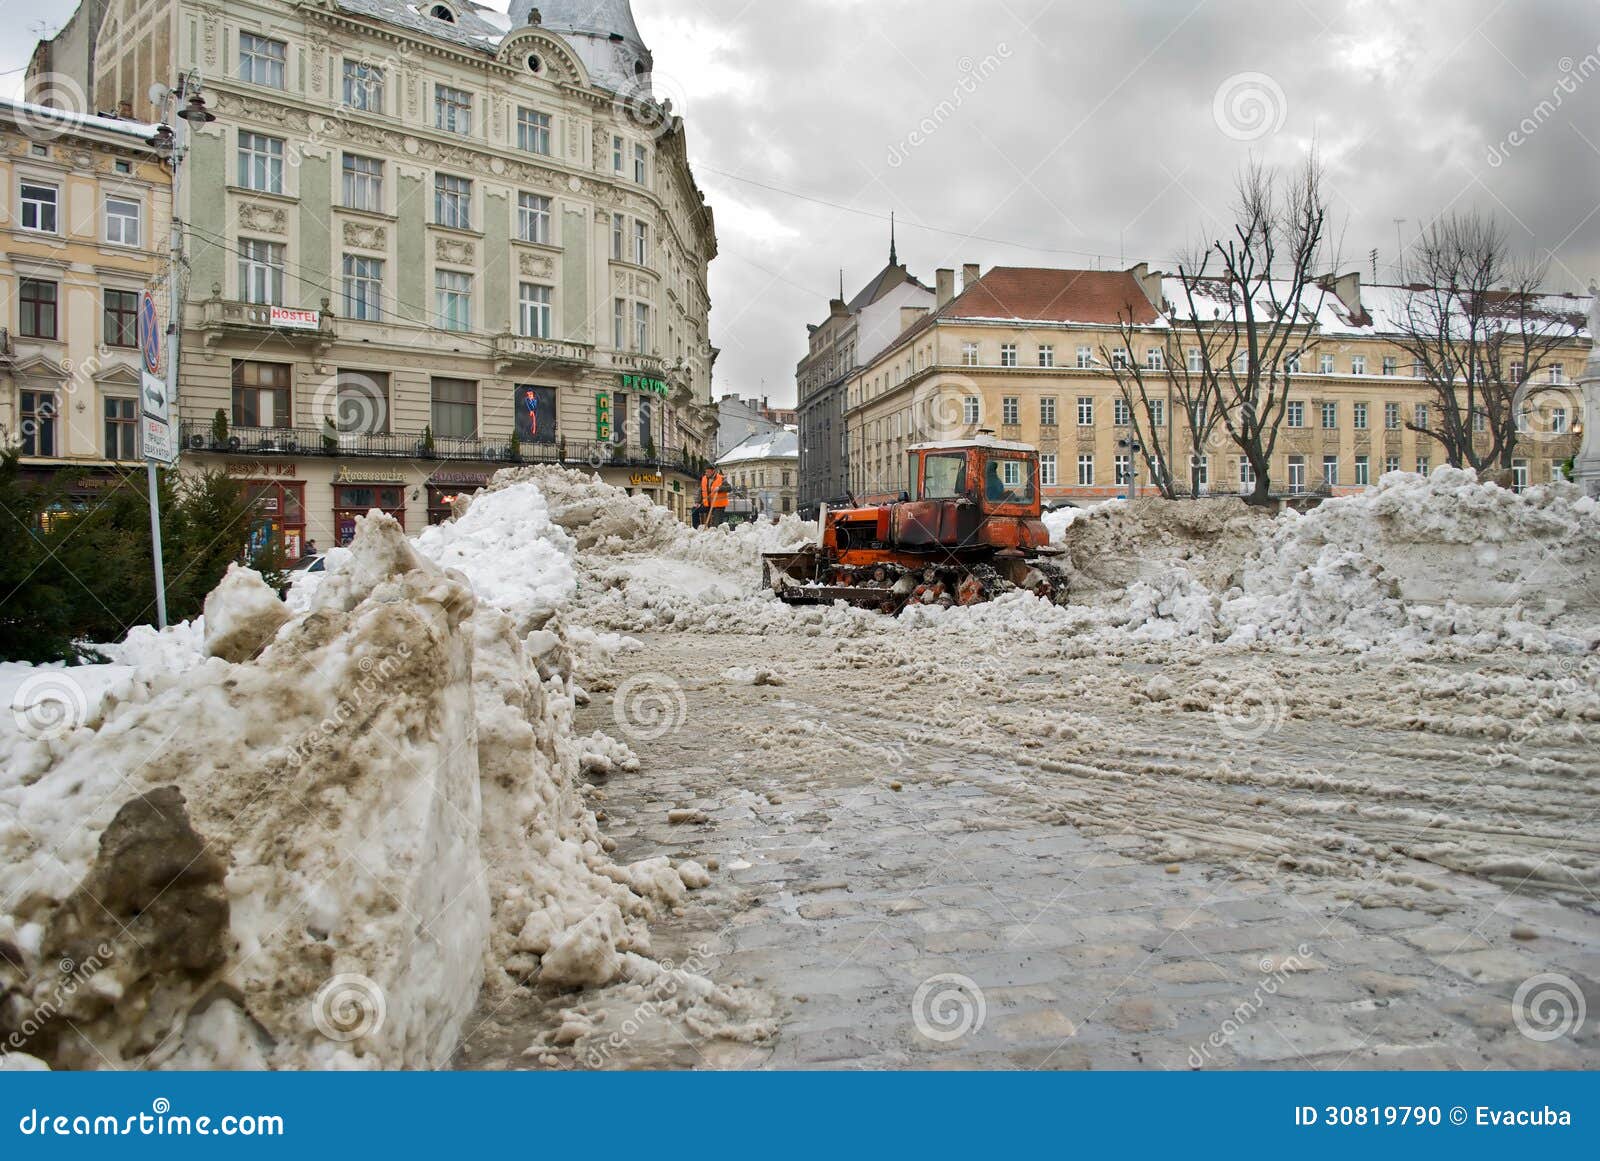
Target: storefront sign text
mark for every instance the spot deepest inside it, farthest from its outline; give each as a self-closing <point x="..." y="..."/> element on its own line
<point x="364" y="476"/>
<point x="645" y="383"/>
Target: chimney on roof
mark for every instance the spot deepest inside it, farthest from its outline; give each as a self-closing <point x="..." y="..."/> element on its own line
<point x="909" y="316"/>
<point x="969" y="275"/>
<point x="1149" y="283"/>
<point x="1346" y="288"/>
<point x="945" y="280"/>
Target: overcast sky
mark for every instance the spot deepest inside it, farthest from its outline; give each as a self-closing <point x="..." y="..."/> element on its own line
<point x="1067" y="133"/>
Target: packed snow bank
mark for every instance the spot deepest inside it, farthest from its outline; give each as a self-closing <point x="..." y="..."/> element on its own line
<point x="1415" y="561"/>
<point x="316" y="854"/>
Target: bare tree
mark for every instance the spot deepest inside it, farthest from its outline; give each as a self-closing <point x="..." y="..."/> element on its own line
<point x="1163" y="398"/>
<point x="1251" y="304"/>
<point x="1477" y="329"/>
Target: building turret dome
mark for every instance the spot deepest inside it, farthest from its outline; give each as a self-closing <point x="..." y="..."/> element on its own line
<point x="601" y="32"/>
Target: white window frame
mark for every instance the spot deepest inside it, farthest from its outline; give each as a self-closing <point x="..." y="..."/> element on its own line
<point x="452" y="109"/>
<point x="452" y="291"/>
<point x="363" y="288"/>
<point x="38" y="208"/>
<point x="1297" y="475"/>
<point x="1047" y="411"/>
<point x="534" y="216"/>
<point x="122" y="235"/>
<point x="1008" y="354"/>
<point x="260" y="166"/>
<point x="261" y="271"/>
<point x="536" y="313"/>
<point x="969" y="354"/>
<point x="363" y="86"/>
<point x="1010" y="410"/>
<point x="361" y="182"/>
<point x="1047" y="355"/>
<point x="1047" y="470"/>
<point x="452" y="201"/>
<point x="263" y="60"/>
<point x="533" y="130"/>
<point x="971" y="410"/>
<point x="1086" y="411"/>
<point x="1086" y="470"/>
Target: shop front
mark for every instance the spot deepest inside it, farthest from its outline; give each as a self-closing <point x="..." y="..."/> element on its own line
<point x="445" y="487"/>
<point x="357" y="491"/>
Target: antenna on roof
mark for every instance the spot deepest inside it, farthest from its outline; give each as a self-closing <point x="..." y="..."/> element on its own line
<point x="841" y="284"/>
<point x="894" y="257"/>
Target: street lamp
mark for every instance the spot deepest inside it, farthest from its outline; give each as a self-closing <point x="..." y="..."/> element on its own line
<point x="1135" y="449"/>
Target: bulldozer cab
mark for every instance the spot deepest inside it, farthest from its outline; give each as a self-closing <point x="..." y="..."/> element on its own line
<point x="998" y="476"/>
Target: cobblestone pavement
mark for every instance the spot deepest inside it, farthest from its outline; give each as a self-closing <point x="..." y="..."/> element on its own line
<point x="938" y="894"/>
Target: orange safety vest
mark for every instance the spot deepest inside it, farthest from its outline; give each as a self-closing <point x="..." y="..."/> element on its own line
<point x="713" y="491"/>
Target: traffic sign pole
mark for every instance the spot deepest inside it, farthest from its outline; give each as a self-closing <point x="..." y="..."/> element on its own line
<point x="150" y="348"/>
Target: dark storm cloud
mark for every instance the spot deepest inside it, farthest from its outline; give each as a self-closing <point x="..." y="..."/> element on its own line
<point x="1094" y="136"/>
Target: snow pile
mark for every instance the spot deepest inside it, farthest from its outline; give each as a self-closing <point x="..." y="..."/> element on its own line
<point x="1415" y="561"/>
<point x="318" y="853"/>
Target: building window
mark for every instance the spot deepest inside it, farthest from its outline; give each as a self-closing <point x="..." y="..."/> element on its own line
<point x="39" y="413"/>
<point x="1008" y="354"/>
<point x="619" y="324"/>
<point x="1391" y="365"/>
<point x="1423" y="465"/>
<point x="363" y="87"/>
<point x="533" y="218"/>
<point x="1558" y="373"/>
<point x="535" y="311"/>
<point x="452" y="201"/>
<point x="1330" y="416"/>
<point x="122" y="222"/>
<point x="641" y="165"/>
<point x="1119" y="358"/>
<point x="1121" y="413"/>
<point x="1292" y="363"/>
<point x="261" y="162"/>
<point x="120" y="319"/>
<point x="1047" y="411"/>
<point x="1202" y="473"/>
<point x="1195" y="361"/>
<point x="1297" y="413"/>
<point x="363" y="288"/>
<point x="1297" y="474"/>
<point x="1517" y="369"/>
<point x="1422" y="416"/>
<point x="261" y="60"/>
<point x="1558" y="421"/>
<point x="39" y="207"/>
<point x="1247" y="476"/>
<point x="1155" y="359"/>
<point x="122" y="429"/>
<point x="1325" y="365"/>
<point x="1358" y="365"/>
<point x="261" y="271"/>
<point x="1391" y="464"/>
<point x="1085" y="411"/>
<point x="453" y="300"/>
<point x="37" y="308"/>
<point x="1085" y="471"/>
<point x="1124" y="471"/>
<point x="969" y="354"/>
<point x="1047" y="356"/>
<point x="1085" y="358"/>
<point x="1363" y="471"/>
<point x="363" y="183"/>
<point x="617" y="145"/>
<point x="641" y="243"/>
<point x="1047" y="470"/>
<point x="1010" y="410"/>
<point x="971" y="410"/>
<point x="533" y="131"/>
<point x="455" y="409"/>
<point x="619" y="232"/>
<point x="1358" y="416"/>
<point x="1330" y="470"/>
<point x="1480" y="421"/>
<point x="260" y="394"/>
<point x="1158" y="412"/>
<point x="641" y="327"/>
<point x="452" y="110"/>
<point x="1391" y="417"/>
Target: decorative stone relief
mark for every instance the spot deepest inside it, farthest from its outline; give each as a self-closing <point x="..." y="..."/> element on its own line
<point x="537" y="266"/>
<point x="455" y="251"/>
<point x="262" y="219"/>
<point x="365" y="237"/>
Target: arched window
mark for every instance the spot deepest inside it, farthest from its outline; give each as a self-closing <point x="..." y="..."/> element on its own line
<point x="442" y="12"/>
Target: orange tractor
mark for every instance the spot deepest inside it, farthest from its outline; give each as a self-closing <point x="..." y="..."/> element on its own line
<point x="971" y="532"/>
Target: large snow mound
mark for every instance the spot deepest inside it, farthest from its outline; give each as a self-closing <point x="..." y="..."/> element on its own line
<point x="318" y="849"/>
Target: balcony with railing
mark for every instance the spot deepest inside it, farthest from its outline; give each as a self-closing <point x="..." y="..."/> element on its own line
<point x="206" y="438"/>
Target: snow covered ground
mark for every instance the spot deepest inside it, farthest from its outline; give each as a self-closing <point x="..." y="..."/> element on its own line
<point x="393" y="790"/>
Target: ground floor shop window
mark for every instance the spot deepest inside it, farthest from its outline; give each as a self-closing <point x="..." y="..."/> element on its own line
<point x="441" y="497"/>
<point x="278" y="517"/>
<point x="353" y="500"/>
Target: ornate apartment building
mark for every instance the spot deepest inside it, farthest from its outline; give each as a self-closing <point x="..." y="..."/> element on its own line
<point x="423" y="241"/>
<point x="84" y="206"/>
<point x="1026" y="353"/>
<point x="854" y="332"/>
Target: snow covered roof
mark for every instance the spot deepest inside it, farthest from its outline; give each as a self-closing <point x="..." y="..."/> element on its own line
<point x="45" y="116"/>
<point x="770" y="445"/>
<point x="983" y="441"/>
<point x="473" y="25"/>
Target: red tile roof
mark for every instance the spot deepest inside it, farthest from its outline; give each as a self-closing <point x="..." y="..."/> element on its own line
<point x="1079" y="296"/>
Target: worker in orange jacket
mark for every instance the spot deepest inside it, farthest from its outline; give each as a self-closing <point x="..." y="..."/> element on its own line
<point x="713" y="507"/>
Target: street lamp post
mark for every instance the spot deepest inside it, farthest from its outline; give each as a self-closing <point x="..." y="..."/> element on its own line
<point x="171" y="143"/>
